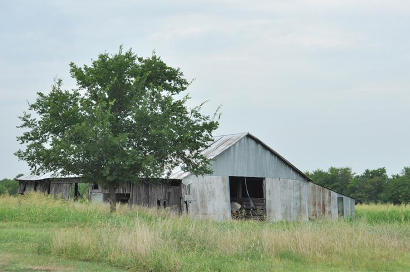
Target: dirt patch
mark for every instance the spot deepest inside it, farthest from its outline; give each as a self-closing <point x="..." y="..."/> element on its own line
<point x="12" y="262"/>
<point x="46" y="268"/>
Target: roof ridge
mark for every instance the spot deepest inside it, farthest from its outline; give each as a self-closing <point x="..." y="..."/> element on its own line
<point x="230" y="134"/>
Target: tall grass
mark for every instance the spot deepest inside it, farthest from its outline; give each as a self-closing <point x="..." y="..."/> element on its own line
<point x="384" y="213"/>
<point x="150" y="239"/>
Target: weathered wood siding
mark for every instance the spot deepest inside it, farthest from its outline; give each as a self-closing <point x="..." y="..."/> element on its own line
<point x="153" y="194"/>
<point x="148" y="194"/>
<point x="61" y="189"/>
<point x="208" y="197"/>
<point x="58" y="187"/>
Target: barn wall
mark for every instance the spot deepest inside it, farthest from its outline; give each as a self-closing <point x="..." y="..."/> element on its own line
<point x="29" y="187"/>
<point x="208" y="197"/>
<point x="297" y="200"/>
<point x="333" y="207"/>
<point x="61" y="189"/>
<point x="286" y="199"/>
<point x="251" y="159"/>
<point x="42" y="186"/>
<point x="96" y="197"/>
<point x="145" y="194"/>
<point x="348" y="206"/>
<point x="148" y="194"/>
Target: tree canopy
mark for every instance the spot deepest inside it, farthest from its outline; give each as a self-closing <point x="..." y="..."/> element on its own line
<point x="126" y="121"/>
<point x="370" y="186"/>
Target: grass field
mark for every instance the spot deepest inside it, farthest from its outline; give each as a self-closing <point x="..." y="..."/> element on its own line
<point x="38" y="233"/>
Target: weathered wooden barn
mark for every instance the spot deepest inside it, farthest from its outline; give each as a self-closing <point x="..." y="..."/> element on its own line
<point x="246" y="172"/>
<point x="65" y="187"/>
<point x="249" y="180"/>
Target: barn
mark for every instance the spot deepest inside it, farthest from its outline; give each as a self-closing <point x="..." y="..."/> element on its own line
<point x="57" y="185"/>
<point x="249" y="180"/>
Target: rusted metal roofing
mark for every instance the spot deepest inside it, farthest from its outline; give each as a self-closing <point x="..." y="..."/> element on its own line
<point x="49" y="175"/>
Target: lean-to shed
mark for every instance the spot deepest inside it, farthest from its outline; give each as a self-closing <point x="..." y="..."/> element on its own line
<point x="57" y="185"/>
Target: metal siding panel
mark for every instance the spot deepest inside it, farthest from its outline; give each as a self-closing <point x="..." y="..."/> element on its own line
<point x="286" y="199"/>
<point x="296" y="200"/>
<point x="346" y="206"/>
<point x="210" y="196"/>
<point x="352" y="207"/>
<point x="323" y="202"/>
<point x="251" y="159"/>
<point x="334" y="205"/>
<point x="317" y="200"/>
<point x="309" y="200"/>
<point x="273" y="201"/>
<point x="303" y="207"/>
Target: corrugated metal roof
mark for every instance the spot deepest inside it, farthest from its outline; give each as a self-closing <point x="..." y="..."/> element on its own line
<point x="219" y="145"/>
<point x="49" y="175"/>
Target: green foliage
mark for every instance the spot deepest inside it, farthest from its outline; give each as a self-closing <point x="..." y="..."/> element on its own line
<point x="398" y="188"/>
<point x="9" y="186"/>
<point x="127" y="120"/>
<point x="335" y="178"/>
<point x="370" y="186"/>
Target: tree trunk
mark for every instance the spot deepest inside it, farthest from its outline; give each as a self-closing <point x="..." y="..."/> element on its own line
<point x="113" y="200"/>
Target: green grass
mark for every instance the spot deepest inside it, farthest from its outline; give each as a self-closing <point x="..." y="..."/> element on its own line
<point x="384" y="213"/>
<point x="39" y="233"/>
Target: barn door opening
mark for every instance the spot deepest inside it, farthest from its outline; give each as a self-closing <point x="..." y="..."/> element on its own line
<point x="247" y="198"/>
<point x="340" y="206"/>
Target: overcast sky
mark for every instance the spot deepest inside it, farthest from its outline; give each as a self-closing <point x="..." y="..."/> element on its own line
<point x="323" y="82"/>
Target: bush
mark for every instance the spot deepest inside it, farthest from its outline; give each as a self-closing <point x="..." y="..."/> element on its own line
<point x="9" y="186"/>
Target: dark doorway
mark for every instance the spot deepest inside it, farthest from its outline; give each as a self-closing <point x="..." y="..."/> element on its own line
<point x="123" y="198"/>
<point x="340" y="206"/>
<point x="247" y="198"/>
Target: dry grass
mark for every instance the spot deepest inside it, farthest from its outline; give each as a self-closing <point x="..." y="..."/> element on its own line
<point x="149" y="239"/>
<point x="112" y="244"/>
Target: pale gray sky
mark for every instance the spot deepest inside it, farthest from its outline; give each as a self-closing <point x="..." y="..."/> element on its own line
<point x="324" y="82"/>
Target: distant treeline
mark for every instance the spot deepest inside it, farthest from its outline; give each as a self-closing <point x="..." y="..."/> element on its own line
<point x="371" y="186"/>
<point x="9" y="186"/>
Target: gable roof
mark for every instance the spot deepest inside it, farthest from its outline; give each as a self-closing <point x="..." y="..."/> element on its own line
<point x="224" y="142"/>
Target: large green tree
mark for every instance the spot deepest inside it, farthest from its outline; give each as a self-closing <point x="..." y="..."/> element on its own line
<point x="369" y="186"/>
<point x="398" y="188"/>
<point x="127" y="121"/>
<point x="336" y="179"/>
